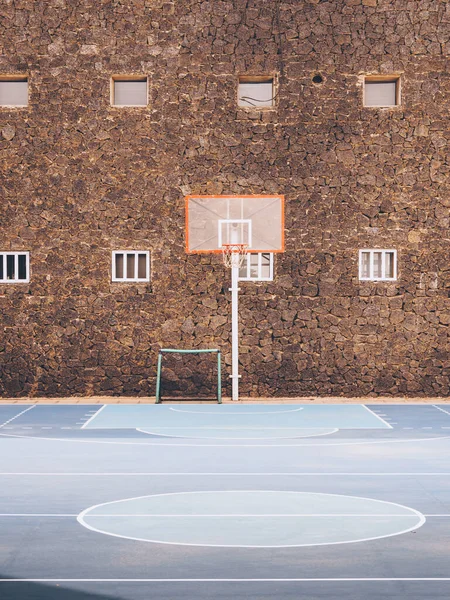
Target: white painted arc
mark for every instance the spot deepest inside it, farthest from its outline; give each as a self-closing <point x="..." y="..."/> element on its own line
<point x="85" y="515"/>
<point x="238" y="413"/>
<point x="293" y="436"/>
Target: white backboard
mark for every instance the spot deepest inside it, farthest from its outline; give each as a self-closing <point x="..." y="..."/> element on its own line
<point x="212" y="221"/>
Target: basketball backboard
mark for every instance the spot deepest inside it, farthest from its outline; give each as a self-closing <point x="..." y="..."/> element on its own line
<point x="213" y="221"/>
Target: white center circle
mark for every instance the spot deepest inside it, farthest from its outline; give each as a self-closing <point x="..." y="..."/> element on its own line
<point x="251" y="519"/>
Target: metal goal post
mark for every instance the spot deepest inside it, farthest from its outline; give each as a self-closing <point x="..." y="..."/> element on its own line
<point x="177" y="351"/>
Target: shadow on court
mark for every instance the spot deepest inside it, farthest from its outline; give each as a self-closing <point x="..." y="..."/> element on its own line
<point x="51" y="591"/>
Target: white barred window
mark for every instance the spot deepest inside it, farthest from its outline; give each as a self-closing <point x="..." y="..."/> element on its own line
<point x="258" y="266"/>
<point x="377" y="265"/>
<point x="14" y="267"/>
<point x="131" y="265"/>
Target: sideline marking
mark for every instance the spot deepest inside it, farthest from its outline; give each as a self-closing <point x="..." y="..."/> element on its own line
<point x="364" y="443"/>
<point x="293" y="436"/>
<point x="220" y="474"/>
<point x="377" y="416"/>
<point x="94" y="415"/>
<point x="415" y="513"/>
<point x="21" y="413"/>
<point x="442" y="410"/>
<point x="35" y="515"/>
<point x="266" y="516"/>
<point x="226" y="414"/>
<point x="232" y="580"/>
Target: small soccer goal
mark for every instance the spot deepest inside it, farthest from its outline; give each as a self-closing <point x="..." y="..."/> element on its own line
<point x="172" y="351"/>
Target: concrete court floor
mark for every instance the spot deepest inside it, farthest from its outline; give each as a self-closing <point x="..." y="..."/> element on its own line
<point x="52" y="469"/>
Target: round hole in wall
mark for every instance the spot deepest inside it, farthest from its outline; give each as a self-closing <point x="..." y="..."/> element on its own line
<point x="318" y="79"/>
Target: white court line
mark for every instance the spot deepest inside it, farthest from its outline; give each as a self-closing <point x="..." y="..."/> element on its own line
<point x="228" y="515"/>
<point x="233" y="580"/>
<point x="85" y="515"/>
<point x="292" y="436"/>
<point x="377" y="416"/>
<point x="222" y="473"/>
<point x="36" y="515"/>
<point x="441" y="409"/>
<point x="226" y="414"/>
<point x="93" y="416"/>
<point x="21" y="413"/>
<point x="248" y="446"/>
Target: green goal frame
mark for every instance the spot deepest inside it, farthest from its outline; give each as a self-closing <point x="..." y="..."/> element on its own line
<point x="177" y="351"/>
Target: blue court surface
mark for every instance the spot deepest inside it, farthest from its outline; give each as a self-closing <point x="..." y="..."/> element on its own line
<point x="245" y="501"/>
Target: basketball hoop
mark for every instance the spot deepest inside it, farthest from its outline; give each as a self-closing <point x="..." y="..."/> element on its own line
<point x="234" y="255"/>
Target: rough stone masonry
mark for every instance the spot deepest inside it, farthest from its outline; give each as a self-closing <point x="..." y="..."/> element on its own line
<point x="81" y="178"/>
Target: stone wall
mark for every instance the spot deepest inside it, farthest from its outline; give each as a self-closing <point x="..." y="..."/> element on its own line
<point x="80" y="178"/>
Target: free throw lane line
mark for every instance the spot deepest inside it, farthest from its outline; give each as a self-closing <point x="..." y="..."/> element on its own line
<point x="377" y="416"/>
<point x="16" y="416"/>
<point x="93" y="416"/>
<point x="441" y="409"/>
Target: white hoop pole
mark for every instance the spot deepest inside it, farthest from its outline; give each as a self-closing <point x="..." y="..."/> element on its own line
<point x="234" y="289"/>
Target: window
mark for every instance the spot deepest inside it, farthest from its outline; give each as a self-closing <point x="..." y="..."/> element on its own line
<point x="14" y="267"/>
<point x="129" y="91"/>
<point x="258" y="266"/>
<point x="377" y="265"/>
<point x="256" y="92"/>
<point x="131" y="266"/>
<point x="13" y="91"/>
<point x="381" y="91"/>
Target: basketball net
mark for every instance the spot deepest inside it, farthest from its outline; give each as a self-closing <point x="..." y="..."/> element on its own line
<point x="234" y="255"/>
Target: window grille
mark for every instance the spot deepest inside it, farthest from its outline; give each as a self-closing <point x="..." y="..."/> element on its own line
<point x="257" y="266"/>
<point x="130" y="266"/>
<point x="14" y="267"/>
<point x="377" y="265"/>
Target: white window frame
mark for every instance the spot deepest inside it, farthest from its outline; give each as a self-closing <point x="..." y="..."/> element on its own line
<point x="18" y="79"/>
<point x="16" y="279"/>
<point x="383" y="79"/>
<point x="383" y="277"/>
<point x="125" y="79"/>
<point x="134" y="279"/>
<point x="259" y="277"/>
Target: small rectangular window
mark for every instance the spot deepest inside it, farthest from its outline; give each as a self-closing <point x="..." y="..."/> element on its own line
<point x="377" y="265"/>
<point x="14" y="267"/>
<point x="256" y="92"/>
<point x="257" y="266"/>
<point x="13" y="91"/>
<point x="129" y="91"/>
<point x="131" y="266"/>
<point x="381" y="91"/>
